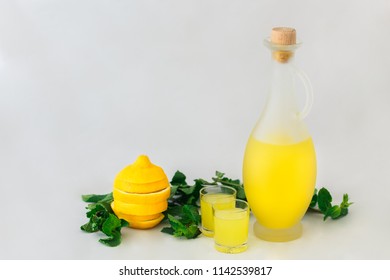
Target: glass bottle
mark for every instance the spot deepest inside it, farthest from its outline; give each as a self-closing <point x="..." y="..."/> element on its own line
<point x="279" y="168"/>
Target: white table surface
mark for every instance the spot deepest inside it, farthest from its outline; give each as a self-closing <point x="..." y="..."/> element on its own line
<point x="87" y="86"/>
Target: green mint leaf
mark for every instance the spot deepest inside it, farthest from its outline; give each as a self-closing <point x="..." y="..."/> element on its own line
<point x="182" y="193"/>
<point x="202" y="182"/>
<point x="102" y="218"/>
<point x="124" y="223"/>
<point x="192" y="213"/>
<point x="333" y="212"/>
<point x="344" y="206"/>
<point x="174" y="211"/>
<point x="314" y="199"/>
<point x="345" y="203"/>
<point x="102" y="207"/>
<point x="90" y="227"/>
<point x="324" y="200"/>
<point x="344" y="212"/>
<point x="97" y="214"/>
<point x="168" y="230"/>
<point x="93" y="209"/>
<point x="193" y="199"/>
<point x="240" y="193"/>
<point x="188" y="190"/>
<point x="175" y="223"/>
<point x="179" y="229"/>
<point x="111" y="224"/>
<point x="178" y="179"/>
<point x="97" y="209"/>
<point x="236" y="184"/>
<point x="112" y="228"/>
<point x="219" y="174"/>
<point x="173" y="191"/>
<point x="329" y="210"/>
<point x="93" y="198"/>
<point x="114" y="240"/>
<point x="192" y="232"/>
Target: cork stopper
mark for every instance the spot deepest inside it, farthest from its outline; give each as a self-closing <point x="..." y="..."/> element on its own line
<point x="283" y="36"/>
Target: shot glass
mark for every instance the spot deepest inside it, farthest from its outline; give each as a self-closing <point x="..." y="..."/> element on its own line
<point x="231" y="227"/>
<point x="209" y="195"/>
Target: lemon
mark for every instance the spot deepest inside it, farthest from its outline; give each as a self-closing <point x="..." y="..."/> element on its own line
<point x="139" y="218"/>
<point x="126" y="186"/>
<point x="141" y="177"/>
<point x="140" y="209"/>
<point x="144" y="198"/>
<point x="141" y="191"/>
<point x="143" y="223"/>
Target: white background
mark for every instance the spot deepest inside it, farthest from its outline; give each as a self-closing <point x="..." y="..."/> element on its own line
<point x="87" y="86"/>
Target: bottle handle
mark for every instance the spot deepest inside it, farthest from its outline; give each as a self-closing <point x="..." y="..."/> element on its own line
<point x="308" y="90"/>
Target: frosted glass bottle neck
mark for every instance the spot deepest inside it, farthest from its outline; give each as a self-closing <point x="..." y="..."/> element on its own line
<point x="281" y="122"/>
<point x="282" y="86"/>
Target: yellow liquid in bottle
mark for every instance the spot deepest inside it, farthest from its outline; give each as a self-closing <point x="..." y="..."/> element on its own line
<point x="279" y="181"/>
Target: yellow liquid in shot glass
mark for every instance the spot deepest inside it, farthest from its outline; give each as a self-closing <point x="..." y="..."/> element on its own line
<point x="207" y="201"/>
<point x="231" y="230"/>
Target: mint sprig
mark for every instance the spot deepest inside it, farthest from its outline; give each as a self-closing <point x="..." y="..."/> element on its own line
<point x="236" y="184"/>
<point x="184" y="221"/>
<point x="102" y="218"/>
<point x="323" y="199"/>
<point x="182" y="193"/>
